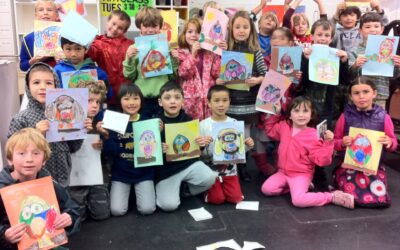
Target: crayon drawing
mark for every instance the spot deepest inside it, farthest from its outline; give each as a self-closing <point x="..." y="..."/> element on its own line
<point x="180" y="138"/>
<point x="324" y="65"/>
<point x="271" y="91"/>
<point x="214" y="29"/>
<point x="379" y="51"/>
<point x="170" y="26"/>
<point x="278" y="10"/>
<point x="236" y="67"/>
<point x="287" y="61"/>
<point x="154" y="58"/>
<point x="67" y="5"/>
<point x="147" y="143"/>
<point x="35" y="204"/>
<point x="228" y="140"/>
<point x="365" y="151"/>
<point x="73" y="79"/>
<point x="47" y="38"/>
<point x="66" y="110"/>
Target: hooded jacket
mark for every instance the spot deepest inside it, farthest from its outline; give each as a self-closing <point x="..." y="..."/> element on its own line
<point x="59" y="164"/>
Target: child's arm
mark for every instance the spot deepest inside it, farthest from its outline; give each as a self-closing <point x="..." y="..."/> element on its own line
<point x="74" y="145"/>
<point x="12" y="235"/>
<point x="389" y="141"/>
<point x="24" y="56"/>
<point x="259" y="7"/>
<point x="130" y="64"/>
<point x="321" y="153"/>
<point x="341" y="141"/>
<point x="216" y="66"/>
<point x="249" y="142"/>
<point x="289" y="13"/>
<point x="259" y="71"/>
<point x="69" y="219"/>
<point x="322" y="9"/>
<point x="187" y="63"/>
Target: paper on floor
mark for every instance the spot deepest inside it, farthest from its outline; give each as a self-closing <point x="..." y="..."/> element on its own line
<point x="232" y="244"/>
<point x="200" y="214"/>
<point x="248" y="205"/>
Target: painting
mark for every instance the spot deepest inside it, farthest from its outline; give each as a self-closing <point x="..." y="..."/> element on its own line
<point x="228" y="138"/>
<point x="66" y="110"/>
<point x="300" y="9"/>
<point x="180" y="138"/>
<point x="322" y="127"/>
<point x="47" y="38"/>
<point x="68" y="5"/>
<point x="214" y="28"/>
<point x="287" y="61"/>
<point x="154" y="58"/>
<point x="35" y="204"/>
<point x="359" y="3"/>
<point x="86" y="164"/>
<point x="379" y="51"/>
<point x="278" y="10"/>
<point x="147" y="143"/>
<point x="324" y="65"/>
<point x="236" y="67"/>
<point x="170" y="27"/>
<point x="365" y="151"/>
<point x="271" y="91"/>
<point x="74" y="79"/>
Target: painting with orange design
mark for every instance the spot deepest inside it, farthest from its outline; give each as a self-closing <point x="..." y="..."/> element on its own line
<point x="154" y="58"/>
<point x="170" y="27"/>
<point x="35" y="204"/>
<point x="47" y="38"/>
<point x="66" y="110"/>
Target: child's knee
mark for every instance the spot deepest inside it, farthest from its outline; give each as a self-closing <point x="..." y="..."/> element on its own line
<point x="118" y="210"/>
<point x="146" y="209"/>
<point x="168" y="205"/>
<point x="298" y="201"/>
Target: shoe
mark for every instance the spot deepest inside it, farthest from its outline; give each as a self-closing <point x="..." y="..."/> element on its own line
<point x="343" y="199"/>
<point x="263" y="165"/>
<point x="243" y="174"/>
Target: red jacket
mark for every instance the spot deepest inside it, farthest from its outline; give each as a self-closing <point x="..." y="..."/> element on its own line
<point x="109" y="53"/>
<point x="300" y="153"/>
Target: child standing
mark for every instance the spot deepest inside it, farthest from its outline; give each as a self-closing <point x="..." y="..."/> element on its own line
<point x="123" y="172"/>
<point x="227" y="185"/>
<point x="39" y="78"/>
<point x="198" y="70"/>
<point x="368" y="190"/>
<point x="266" y="25"/>
<point x="108" y="50"/>
<point x="192" y="175"/>
<point x="298" y="153"/>
<point x="29" y="147"/>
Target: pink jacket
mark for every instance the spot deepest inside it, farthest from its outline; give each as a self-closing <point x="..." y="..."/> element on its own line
<point x="300" y="153"/>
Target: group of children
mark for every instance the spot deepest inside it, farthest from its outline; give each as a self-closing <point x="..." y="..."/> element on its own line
<point x="195" y="91"/>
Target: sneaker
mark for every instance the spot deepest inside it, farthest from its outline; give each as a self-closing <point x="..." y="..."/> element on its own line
<point x="343" y="199"/>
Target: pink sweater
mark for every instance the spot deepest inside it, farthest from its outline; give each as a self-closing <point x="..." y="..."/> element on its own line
<point x="300" y="153"/>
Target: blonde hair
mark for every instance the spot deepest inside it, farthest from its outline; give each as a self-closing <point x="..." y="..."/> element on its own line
<point x="296" y="19"/>
<point x="253" y="38"/>
<point x="211" y="4"/>
<point x="182" y="37"/>
<point x="149" y="17"/>
<point x="95" y="87"/>
<point x="46" y="1"/>
<point x="270" y="15"/>
<point x="23" y="137"/>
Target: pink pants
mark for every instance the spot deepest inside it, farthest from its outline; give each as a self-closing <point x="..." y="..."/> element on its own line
<point x="280" y="183"/>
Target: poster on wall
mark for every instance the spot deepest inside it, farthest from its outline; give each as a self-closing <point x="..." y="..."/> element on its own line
<point x="130" y="7"/>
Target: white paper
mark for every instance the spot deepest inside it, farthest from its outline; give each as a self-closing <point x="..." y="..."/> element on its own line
<point x="200" y="214"/>
<point x="115" y="121"/>
<point x="248" y="205"/>
<point x="86" y="164"/>
<point x="248" y="245"/>
<point x="232" y="244"/>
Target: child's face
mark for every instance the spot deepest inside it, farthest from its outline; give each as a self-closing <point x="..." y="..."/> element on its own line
<point x="27" y="162"/>
<point x="172" y="102"/>
<point x="300" y="116"/>
<point x="348" y="21"/>
<point x="279" y="38"/>
<point x="39" y="81"/>
<point x="362" y="95"/>
<point x="94" y="104"/>
<point x="191" y="34"/>
<point x="46" y="11"/>
<point x="267" y="25"/>
<point x="74" y="53"/>
<point x="371" y="28"/>
<point x="300" y="28"/>
<point x="149" y="30"/>
<point x="219" y="103"/>
<point x="322" y="36"/>
<point x="241" y="29"/>
<point x="116" y="27"/>
<point x="131" y="104"/>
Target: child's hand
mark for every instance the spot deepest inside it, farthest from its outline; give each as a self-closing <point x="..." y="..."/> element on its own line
<point x="346" y="141"/>
<point x="396" y="60"/>
<point x="203" y="141"/>
<point x="385" y="141"/>
<point x="263" y="3"/>
<point x="164" y="147"/>
<point x="195" y="48"/>
<point x="161" y="126"/>
<point x="15" y="233"/>
<point x="62" y="221"/>
<point x="277" y="107"/>
<point x="43" y="126"/>
<point x="298" y="76"/>
<point x="253" y="81"/>
<point x="88" y="124"/>
<point x="307" y="52"/>
<point x="131" y="51"/>
<point x="342" y="55"/>
<point x="174" y="53"/>
<point x="219" y="81"/>
<point x="222" y="44"/>
<point x="97" y="144"/>
<point x="360" y="61"/>
<point x="249" y="142"/>
<point x="328" y="136"/>
<point x="375" y="5"/>
<point x="101" y="130"/>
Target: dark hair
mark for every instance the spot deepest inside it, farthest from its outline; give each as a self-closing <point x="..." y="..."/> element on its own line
<point x="371" y="17"/>
<point x="122" y="16"/>
<point x="65" y="41"/>
<point x="350" y="10"/>
<point x="307" y="102"/>
<point x="325" y="24"/>
<point x="287" y="32"/>
<point x="129" y="89"/>
<point x="216" y="88"/>
<point x="362" y="80"/>
<point x="170" y="85"/>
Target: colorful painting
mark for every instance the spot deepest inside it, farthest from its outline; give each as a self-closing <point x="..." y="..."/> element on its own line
<point x="74" y="79"/>
<point x="214" y="28"/>
<point x="154" y="58"/>
<point x="271" y="91"/>
<point x="66" y="109"/>
<point x="170" y="27"/>
<point x="68" y="5"/>
<point x="180" y="138"/>
<point x="359" y="3"/>
<point x="379" y="51"/>
<point x="147" y="143"/>
<point x="47" y="38"/>
<point x="324" y="65"/>
<point x="278" y="10"/>
<point x="236" y="67"/>
<point x="35" y="204"/>
<point x="287" y="61"/>
<point x="300" y="9"/>
<point x="365" y="151"/>
<point x="228" y="139"/>
<point x="321" y="129"/>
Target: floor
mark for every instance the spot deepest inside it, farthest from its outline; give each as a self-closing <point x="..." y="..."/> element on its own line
<point x="277" y="225"/>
